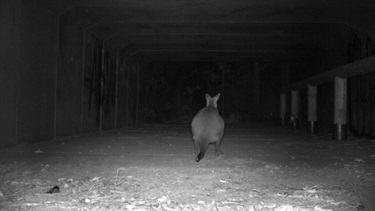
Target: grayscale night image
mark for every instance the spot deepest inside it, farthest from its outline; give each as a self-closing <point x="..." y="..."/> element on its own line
<point x="191" y="105"/>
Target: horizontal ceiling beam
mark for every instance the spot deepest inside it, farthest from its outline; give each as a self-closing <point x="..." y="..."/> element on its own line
<point x="361" y="67"/>
<point x="220" y="56"/>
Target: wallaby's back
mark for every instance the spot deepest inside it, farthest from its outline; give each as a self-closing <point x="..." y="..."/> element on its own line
<point x="207" y="128"/>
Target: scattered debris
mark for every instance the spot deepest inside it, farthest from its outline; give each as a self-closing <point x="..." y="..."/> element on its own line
<point x="118" y="171"/>
<point x="55" y="189"/>
<point x="243" y="184"/>
<point x="44" y="168"/>
<point x="95" y="179"/>
<point x="162" y="199"/>
<point x="360" y="160"/>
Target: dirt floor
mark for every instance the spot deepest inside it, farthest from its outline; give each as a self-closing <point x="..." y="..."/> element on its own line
<point x="264" y="168"/>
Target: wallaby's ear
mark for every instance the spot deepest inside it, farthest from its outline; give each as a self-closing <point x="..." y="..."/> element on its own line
<point x="208" y="96"/>
<point x="217" y="97"/>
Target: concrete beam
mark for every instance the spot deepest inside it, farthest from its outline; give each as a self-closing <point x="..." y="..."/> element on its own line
<point x="361" y="67"/>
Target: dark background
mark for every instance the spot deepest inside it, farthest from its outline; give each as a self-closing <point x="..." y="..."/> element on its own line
<point x="73" y="67"/>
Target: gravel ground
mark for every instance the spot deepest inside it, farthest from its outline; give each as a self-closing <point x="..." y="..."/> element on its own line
<point x="152" y="167"/>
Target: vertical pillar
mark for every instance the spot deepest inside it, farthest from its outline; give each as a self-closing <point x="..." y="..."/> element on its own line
<point x="138" y="86"/>
<point x="283" y="108"/>
<point x="127" y="69"/>
<point x="312" y="113"/>
<point x="116" y="87"/>
<point x="223" y="95"/>
<point x="257" y="84"/>
<point x="340" y="109"/>
<point x="294" y="119"/>
<point x="223" y="67"/>
<point x="101" y="87"/>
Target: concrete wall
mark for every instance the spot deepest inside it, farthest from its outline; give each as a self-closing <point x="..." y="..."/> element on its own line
<point x="109" y="89"/>
<point x="55" y="80"/>
<point x="128" y="85"/>
<point x="100" y="87"/>
<point x="37" y="74"/>
<point x="9" y="69"/>
<point x="69" y="78"/>
<point x="28" y="66"/>
<point x="91" y="100"/>
<point x="95" y="91"/>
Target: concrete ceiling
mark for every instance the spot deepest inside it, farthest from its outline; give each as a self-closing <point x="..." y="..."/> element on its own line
<point x="221" y="30"/>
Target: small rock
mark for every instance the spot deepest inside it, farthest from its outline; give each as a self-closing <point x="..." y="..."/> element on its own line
<point x="162" y="199"/>
<point x="360" y="160"/>
<point x="55" y="189"/>
<point x="251" y="208"/>
<point x="285" y="208"/>
<point x="129" y="207"/>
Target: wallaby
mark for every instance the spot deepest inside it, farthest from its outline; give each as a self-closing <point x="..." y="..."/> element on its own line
<point x="207" y="128"/>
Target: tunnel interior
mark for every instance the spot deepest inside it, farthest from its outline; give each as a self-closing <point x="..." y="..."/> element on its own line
<point x="72" y="67"/>
<point x="97" y="99"/>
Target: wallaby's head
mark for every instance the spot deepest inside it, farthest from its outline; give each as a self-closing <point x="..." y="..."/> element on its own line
<point x="212" y="101"/>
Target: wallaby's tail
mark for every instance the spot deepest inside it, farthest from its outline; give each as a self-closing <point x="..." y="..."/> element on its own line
<point x="202" y="150"/>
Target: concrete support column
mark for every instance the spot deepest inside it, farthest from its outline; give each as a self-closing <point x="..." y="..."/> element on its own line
<point x="257" y="83"/>
<point x="137" y="93"/>
<point x="116" y="87"/>
<point x="340" y="109"/>
<point x="312" y="113"/>
<point x="294" y="119"/>
<point x="283" y="108"/>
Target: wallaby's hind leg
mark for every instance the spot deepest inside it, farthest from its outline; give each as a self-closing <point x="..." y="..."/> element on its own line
<point x="217" y="148"/>
<point x="196" y="148"/>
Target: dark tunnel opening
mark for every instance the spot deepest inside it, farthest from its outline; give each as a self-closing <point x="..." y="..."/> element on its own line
<point x="174" y="91"/>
